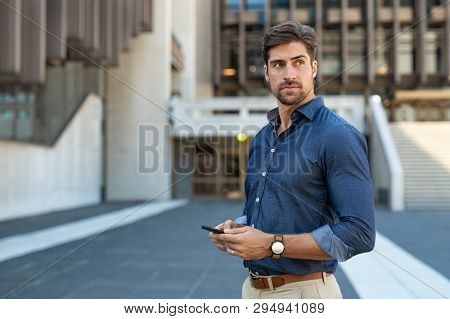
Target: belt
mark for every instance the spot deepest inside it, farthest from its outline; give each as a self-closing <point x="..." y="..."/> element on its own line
<point x="271" y="282"/>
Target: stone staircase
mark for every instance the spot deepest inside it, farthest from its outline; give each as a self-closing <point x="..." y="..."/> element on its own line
<point x="424" y="150"/>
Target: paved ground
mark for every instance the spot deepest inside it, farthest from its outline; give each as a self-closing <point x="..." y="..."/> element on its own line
<point x="169" y="256"/>
<point x="29" y="224"/>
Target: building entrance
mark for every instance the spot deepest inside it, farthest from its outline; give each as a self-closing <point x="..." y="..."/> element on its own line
<point x="210" y="167"/>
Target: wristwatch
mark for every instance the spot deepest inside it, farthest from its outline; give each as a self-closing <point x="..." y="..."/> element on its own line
<point x="277" y="247"/>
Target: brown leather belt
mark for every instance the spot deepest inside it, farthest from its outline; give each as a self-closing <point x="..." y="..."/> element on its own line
<point x="280" y="280"/>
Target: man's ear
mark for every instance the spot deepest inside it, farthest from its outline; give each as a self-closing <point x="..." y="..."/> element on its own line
<point x="314" y="69"/>
<point x="266" y="72"/>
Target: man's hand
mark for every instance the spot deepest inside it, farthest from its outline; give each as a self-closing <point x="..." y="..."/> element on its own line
<point x="246" y="242"/>
<point x="220" y="244"/>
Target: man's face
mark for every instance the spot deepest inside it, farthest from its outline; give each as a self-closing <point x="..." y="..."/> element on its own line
<point x="290" y="73"/>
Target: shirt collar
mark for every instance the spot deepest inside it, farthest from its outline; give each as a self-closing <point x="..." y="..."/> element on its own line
<point x="308" y="110"/>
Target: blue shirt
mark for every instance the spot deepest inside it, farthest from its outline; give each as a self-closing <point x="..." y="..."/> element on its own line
<point x="312" y="178"/>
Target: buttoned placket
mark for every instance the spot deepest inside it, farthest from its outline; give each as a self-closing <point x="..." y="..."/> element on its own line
<point x="275" y="141"/>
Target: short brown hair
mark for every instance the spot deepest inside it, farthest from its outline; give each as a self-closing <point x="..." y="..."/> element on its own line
<point x="290" y="31"/>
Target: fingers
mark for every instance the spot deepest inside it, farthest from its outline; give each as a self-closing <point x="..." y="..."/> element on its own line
<point x="229" y="224"/>
<point x="231" y="251"/>
<point x="238" y="230"/>
<point x="219" y="244"/>
<point x="226" y="243"/>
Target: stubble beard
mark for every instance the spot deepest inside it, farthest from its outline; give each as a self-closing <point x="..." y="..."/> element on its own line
<point x="289" y="100"/>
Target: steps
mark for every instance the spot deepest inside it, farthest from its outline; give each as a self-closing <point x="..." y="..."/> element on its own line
<point x="424" y="150"/>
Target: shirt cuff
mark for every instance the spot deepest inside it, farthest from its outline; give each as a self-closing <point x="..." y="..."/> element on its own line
<point x="241" y="220"/>
<point x="330" y="243"/>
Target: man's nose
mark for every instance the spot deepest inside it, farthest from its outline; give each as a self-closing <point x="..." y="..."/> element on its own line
<point x="290" y="73"/>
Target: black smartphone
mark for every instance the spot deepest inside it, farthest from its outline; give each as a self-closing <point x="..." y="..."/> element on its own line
<point x="212" y="229"/>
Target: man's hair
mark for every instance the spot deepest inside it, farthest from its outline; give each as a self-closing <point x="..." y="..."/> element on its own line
<point x="287" y="32"/>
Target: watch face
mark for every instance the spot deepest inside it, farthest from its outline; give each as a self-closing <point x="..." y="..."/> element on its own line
<point x="277" y="247"/>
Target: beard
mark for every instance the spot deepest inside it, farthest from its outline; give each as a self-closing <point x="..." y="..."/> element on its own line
<point x="290" y="99"/>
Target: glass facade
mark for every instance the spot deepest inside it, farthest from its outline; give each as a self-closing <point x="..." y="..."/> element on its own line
<point x="383" y="51"/>
<point x="356" y="51"/>
<point x="331" y="58"/>
<point x="257" y="5"/>
<point x="406" y="52"/>
<point x="255" y="63"/>
<point x="432" y="51"/>
<point x="38" y="114"/>
<point x="382" y="40"/>
<point x="229" y="52"/>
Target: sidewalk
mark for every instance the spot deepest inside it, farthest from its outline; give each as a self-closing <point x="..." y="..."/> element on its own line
<point x="168" y="256"/>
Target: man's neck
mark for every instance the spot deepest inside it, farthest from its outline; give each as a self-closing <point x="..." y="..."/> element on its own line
<point x="285" y="112"/>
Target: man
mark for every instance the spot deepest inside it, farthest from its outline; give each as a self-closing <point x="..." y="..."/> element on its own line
<point x="308" y="188"/>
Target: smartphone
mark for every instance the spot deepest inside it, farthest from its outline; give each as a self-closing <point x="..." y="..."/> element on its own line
<point x="212" y="229"/>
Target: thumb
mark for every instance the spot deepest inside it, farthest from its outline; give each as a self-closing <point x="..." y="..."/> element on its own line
<point x="238" y="230"/>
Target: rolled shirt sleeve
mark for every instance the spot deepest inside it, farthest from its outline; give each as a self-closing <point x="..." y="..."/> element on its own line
<point x="241" y="220"/>
<point x="350" y="192"/>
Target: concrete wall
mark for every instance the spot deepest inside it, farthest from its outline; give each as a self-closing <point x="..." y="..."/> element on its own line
<point x="141" y="81"/>
<point x="36" y="179"/>
<point x="204" y="48"/>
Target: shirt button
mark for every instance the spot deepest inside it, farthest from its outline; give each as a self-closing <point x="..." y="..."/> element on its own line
<point x="257" y="199"/>
<point x="253" y="225"/>
<point x="263" y="174"/>
<point x="272" y="150"/>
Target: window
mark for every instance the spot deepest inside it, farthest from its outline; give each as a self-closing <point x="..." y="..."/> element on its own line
<point x="382" y="52"/>
<point x="356" y="51"/>
<point x="257" y="5"/>
<point x="406" y="52"/>
<point x="331" y="58"/>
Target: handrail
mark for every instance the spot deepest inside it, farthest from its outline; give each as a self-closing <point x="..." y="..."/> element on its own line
<point x="381" y="127"/>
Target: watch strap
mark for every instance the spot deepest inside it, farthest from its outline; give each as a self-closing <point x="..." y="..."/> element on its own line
<point x="277" y="238"/>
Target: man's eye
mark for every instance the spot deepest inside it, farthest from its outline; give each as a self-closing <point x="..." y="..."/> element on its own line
<point x="277" y="65"/>
<point x="298" y="62"/>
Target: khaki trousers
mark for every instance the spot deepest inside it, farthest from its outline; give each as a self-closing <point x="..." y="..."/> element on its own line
<point x="308" y="289"/>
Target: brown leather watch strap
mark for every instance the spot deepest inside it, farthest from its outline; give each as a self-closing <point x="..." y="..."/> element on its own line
<point x="277" y="238"/>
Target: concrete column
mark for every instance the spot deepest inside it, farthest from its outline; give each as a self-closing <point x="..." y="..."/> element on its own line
<point x="76" y="19"/>
<point x="127" y="11"/>
<point x="10" y="35"/>
<point x="137" y="19"/>
<point x="138" y="93"/>
<point x="292" y="8"/>
<point x="184" y="21"/>
<point x="318" y="24"/>
<point x="344" y="42"/>
<point x="267" y="14"/>
<point x="57" y="26"/>
<point x="370" y="42"/>
<point x="420" y="43"/>
<point x="33" y="41"/>
<point x="92" y="17"/>
<point x="395" y="42"/>
<point x="216" y="42"/>
<point x="118" y="30"/>
<point x="242" y="64"/>
<point x="106" y="30"/>
<point x="147" y="15"/>
<point x="446" y="55"/>
<point x="207" y="54"/>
